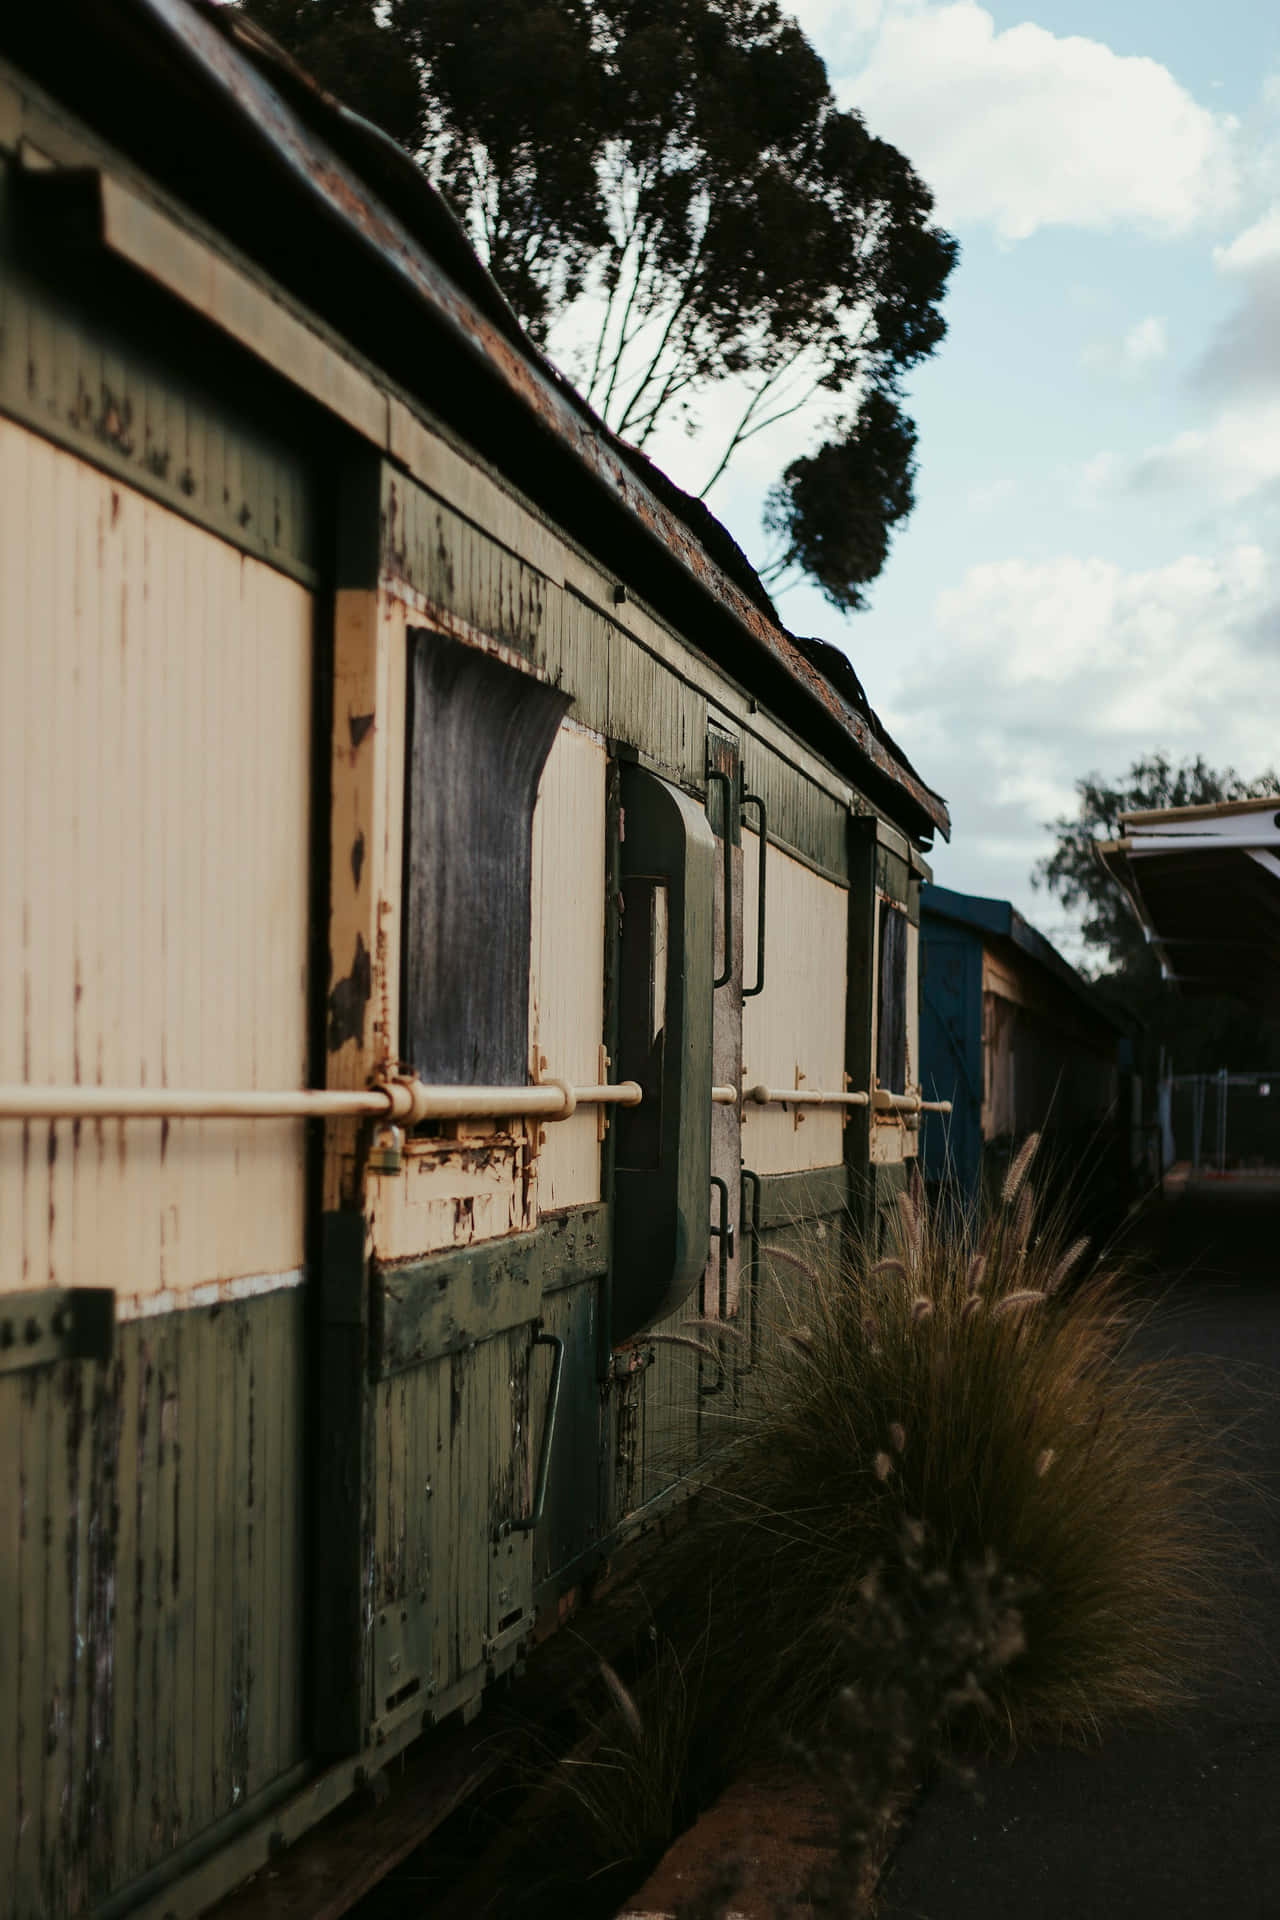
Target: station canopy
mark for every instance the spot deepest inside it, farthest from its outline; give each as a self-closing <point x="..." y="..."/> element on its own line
<point x="1205" y="883"/>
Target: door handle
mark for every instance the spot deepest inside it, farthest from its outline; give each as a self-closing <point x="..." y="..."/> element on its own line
<point x="723" y="979"/>
<point x="754" y="800"/>
<point x="527" y="1525"/>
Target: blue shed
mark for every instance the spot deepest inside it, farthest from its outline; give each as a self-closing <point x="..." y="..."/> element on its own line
<point x="1018" y="1042"/>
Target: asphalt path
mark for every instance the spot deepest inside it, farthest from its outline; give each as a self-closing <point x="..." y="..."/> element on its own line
<point x="1179" y="1821"/>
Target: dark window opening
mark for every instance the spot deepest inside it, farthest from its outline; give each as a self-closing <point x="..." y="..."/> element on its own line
<point x="478" y="733"/>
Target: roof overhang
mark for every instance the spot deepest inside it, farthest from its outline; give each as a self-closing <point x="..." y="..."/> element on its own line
<point x="354" y="233"/>
<point x="1205" y="884"/>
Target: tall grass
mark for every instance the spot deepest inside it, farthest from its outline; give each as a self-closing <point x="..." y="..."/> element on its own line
<point x="956" y="1508"/>
<point x="974" y="1382"/>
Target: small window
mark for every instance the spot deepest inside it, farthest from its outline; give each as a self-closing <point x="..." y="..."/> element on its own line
<point x="478" y="732"/>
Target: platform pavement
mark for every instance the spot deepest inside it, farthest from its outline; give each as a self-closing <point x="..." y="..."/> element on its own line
<point x="1179" y="1822"/>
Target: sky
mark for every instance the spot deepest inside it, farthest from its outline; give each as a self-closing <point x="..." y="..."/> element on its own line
<point x="1092" y="569"/>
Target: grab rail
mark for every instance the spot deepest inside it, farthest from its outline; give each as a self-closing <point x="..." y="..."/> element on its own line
<point x="754" y="800"/>
<point x="403" y="1098"/>
<point x="723" y="979"/>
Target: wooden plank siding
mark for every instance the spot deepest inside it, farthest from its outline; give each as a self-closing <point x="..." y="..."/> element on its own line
<point x="158" y="913"/>
<point x="804" y="819"/>
<point x="566" y="986"/>
<point x="88" y="377"/>
<point x="794" y="1032"/>
<point x="109" y="1650"/>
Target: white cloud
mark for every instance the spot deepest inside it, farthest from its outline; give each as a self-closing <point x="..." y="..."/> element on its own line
<point x="1024" y="129"/>
<point x="1146" y="342"/>
<point x="1042" y="672"/>
<point x="1234" y="457"/>
<point x="1257" y="246"/>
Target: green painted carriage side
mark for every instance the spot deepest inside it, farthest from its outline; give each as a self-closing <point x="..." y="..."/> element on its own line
<point x="620" y="689"/>
<point x="148" y="1708"/>
<point x="804" y="818"/>
<point x="102" y="371"/>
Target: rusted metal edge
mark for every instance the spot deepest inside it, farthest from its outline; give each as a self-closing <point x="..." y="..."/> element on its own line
<point x="544" y="395"/>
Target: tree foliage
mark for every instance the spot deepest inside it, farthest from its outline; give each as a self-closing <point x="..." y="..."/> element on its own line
<point x="672" y="201"/>
<point x="1181" y="1033"/>
<point x="834" y="510"/>
<point x="1073" y="870"/>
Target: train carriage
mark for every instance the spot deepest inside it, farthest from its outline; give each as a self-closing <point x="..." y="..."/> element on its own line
<point x="449" y="934"/>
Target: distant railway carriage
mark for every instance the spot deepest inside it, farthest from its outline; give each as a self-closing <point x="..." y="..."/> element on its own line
<point x="1018" y="1042"/>
<point x="448" y="931"/>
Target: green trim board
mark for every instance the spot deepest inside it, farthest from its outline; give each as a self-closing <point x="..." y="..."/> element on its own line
<point x="450" y="1301"/>
<point x="815" y="1194"/>
<point x="141" y="392"/>
<point x="804" y="819"/>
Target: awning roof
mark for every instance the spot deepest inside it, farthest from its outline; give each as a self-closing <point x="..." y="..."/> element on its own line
<point x="1205" y="883"/>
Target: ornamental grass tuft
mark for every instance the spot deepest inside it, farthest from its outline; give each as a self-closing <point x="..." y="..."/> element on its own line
<point x="975" y="1382"/>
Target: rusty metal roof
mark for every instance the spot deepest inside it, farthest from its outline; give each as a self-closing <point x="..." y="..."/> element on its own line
<point x="226" y="122"/>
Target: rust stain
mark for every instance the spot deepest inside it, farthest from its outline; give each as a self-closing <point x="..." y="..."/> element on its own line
<point x="357" y="859"/>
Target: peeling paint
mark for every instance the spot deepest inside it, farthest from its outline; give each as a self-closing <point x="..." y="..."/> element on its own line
<point x="349" y="999"/>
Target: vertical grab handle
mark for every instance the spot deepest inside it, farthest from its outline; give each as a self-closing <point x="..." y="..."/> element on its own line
<point x="527" y="1525"/>
<point x="715" y="774"/>
<point x="723" y="1232"/>
<point x="754" y="800"/>
<point x="753" y="1262"/>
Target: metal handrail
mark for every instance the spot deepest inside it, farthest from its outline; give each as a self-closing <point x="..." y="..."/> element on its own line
<point x="885" y="1102"/>
<point x="762" y="1096"/>
<point x="754" y="800"/>
<point x="403" y="1098"/>
<point x="716" y="774"/>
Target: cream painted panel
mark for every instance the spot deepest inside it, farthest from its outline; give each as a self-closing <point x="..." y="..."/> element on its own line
<point x="155" y="708"/>
<point x="566" y="989"/>
<point x="797" y="1023"/>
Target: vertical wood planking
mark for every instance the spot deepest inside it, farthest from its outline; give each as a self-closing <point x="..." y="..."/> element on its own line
<point x="273" y="1531"/>
<point x="245" y="1546"/>
<point x="123" y="1769"/>
<point x="155" y="918"/>
<point x="188" y="1653"/>
<point x="566" y="981"/>
<point x="291" y="1624"/>
<point x="202" y="1471"/>
<point x="36" y="480"/>
<point x="12" y="1571"/>
<point x="33" y="1494"/>
<point x="219" y="1676"/>
<point x="798" y="1022"/>
<point x="438" y="1375"/>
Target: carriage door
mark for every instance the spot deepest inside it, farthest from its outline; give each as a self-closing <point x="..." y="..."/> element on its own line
<point x="724" y="813"/>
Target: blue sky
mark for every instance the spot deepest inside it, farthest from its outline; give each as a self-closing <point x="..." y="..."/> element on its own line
<point x="1092" y="567"/>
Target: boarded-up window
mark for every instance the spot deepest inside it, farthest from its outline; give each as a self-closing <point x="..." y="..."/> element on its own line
<point x="891" y="1042"/>
<point x="478" y="735"/>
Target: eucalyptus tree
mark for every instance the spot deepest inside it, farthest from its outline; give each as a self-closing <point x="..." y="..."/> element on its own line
<point x="677" y="208"/>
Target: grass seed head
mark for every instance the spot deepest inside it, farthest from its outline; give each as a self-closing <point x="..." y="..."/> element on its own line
<point x="1018" y="1169"/>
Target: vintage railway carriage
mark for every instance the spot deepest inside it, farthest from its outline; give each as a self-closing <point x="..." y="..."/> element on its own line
<point x="377" y="734"/>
